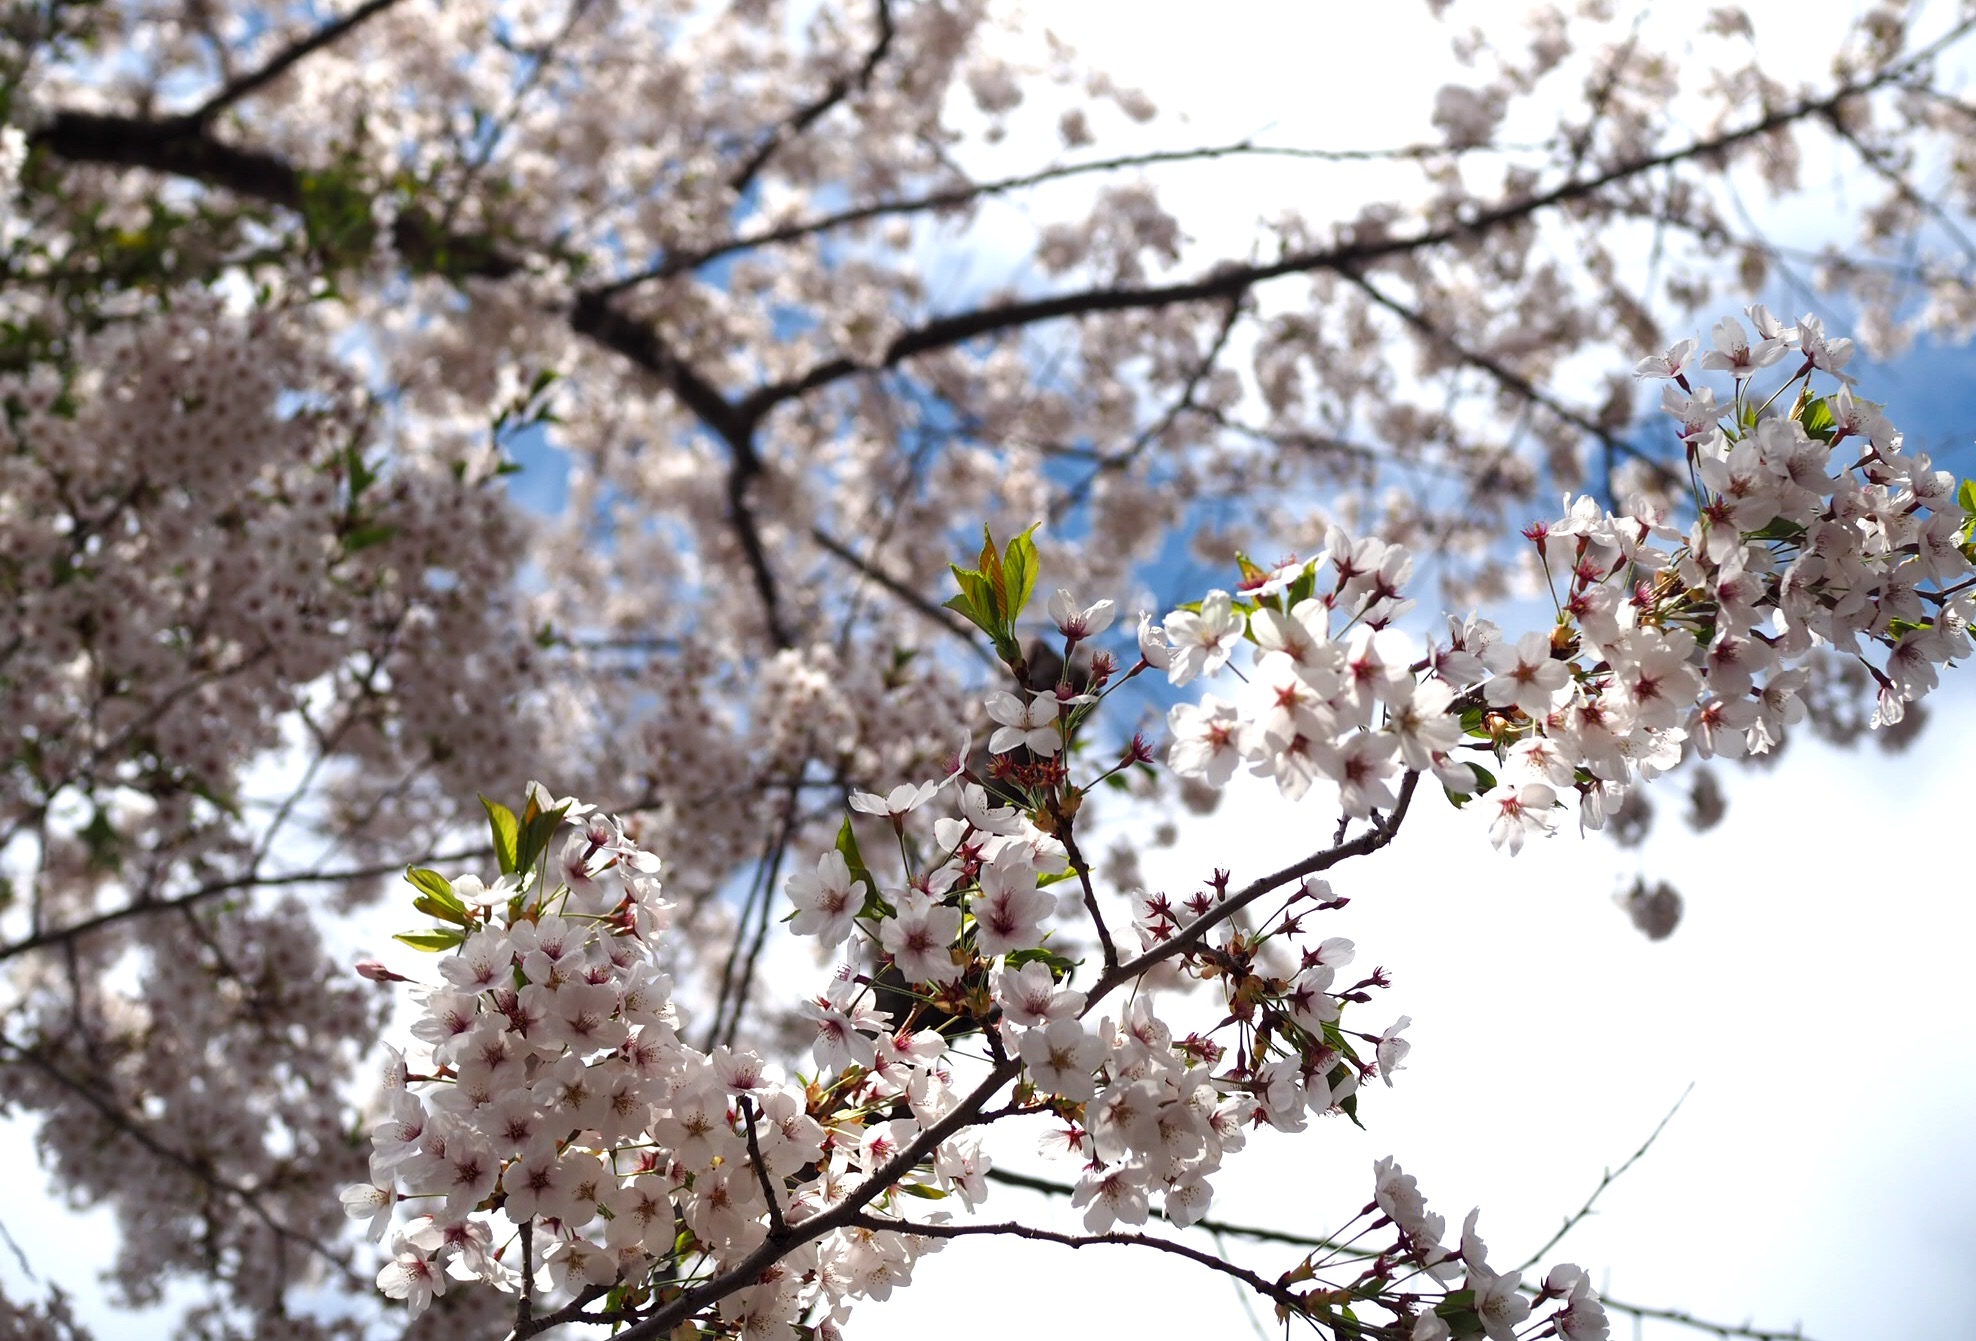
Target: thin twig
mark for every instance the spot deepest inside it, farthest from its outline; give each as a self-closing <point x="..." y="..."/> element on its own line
<point x="1083" y="869"/>
<point x="1508" y="377"/>
<point x="285" y="60"/>
<point x="777" y="1228"/>
<point x="1207" y="1223"/>
<point x="1610" y="1177"/>
<point x="1287" y="1299"/>
<point x="75" y="930"/>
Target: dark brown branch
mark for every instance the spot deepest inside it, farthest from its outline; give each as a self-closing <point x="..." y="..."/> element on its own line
<point x="813" y="111"/>
<point x="955" y="197"/>
<point x="183" y="147"/>
<point x="1287" y="1299"/>
<point x="906" y="595"/>
<point x="285" y="59"/>
<point x="1234" y="281"/>
<point x="76" y="930"/>
<point x="1510" y="379"/>
<point x="1050" y="1187"/>
<point x="1083" y="869"/>
<point x="778" y="1228"/>
<point x="594" y="316"/>
<point x="1377" y="836"/>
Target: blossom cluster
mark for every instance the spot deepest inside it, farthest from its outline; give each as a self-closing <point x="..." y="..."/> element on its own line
<point x="1421" y="1276"/>
<point x="555" y="1090"/>
<point x="1813" y="528"/>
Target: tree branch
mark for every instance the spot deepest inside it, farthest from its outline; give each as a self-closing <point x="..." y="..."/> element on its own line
<point x="1610" y="1177"/>
<point x="285" y="59"/>
<point x="1234" y="281"/>
<point x="1381" y="833"/>
<point x="954" y="197"/>
<point x="1051" y="1187"/>
<point x="906" y="595"/>
<point x="1287" y="1299"/>
<point x="1511" y="380"/>
<point x="1145" y="438"/>
<point x="74" y="931"/>
<point x="810" y="113"/>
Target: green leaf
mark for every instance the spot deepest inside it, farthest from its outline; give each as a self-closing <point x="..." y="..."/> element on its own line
<point x="436" y="897"/>
<point x="361" y="476"/>
<point x="991" y="569"/>
<point x="433" y="884"/>
<point x="922" y="1190"/>
<point x="434" y="941"/>
<point x="104" y="843"/>
<point x="536" y="832"/>
<point x="1349" y="1107"/>
<point x="1303" y="588"/>
<point x="847" y="847"/>
<point x="1060" y="967"/>
<point x="1777" y="528"/>
<point x="363" y="537"/>
<point x="1817" y="419"/>
<point x="1021" y="567"/>
<point x="507" y="832"/>
<point x="433" y="907"/>
<point x="976" y="603"/>
<point x="1484" y="781"/>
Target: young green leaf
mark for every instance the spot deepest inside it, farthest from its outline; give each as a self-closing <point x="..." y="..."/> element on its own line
<point x="506" y="830"/>
<point x="535" y="835"/>
<point x="434" y="941"/>
<point x="1020" y="566"/>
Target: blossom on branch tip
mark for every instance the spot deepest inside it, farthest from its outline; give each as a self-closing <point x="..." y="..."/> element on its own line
<point x="1201" y="642"/>
<point x="1031" y="724"/>
<point x="900" y="801"/>
<point x="1077" y="622"/>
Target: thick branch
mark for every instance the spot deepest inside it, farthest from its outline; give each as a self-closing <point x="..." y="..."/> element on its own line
<point x="184" y="147"/>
